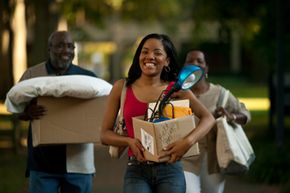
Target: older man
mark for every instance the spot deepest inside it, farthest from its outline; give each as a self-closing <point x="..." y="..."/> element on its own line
<point x="55" y="168"/>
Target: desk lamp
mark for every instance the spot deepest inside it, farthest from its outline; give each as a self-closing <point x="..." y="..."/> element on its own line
<point x="188" y="76"/>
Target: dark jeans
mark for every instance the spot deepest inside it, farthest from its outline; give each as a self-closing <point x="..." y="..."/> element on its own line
<point x="41" y="182"/>
<point x="154" y="178"/>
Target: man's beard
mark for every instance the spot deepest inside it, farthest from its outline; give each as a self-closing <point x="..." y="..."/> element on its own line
<point x="63" y="65"/>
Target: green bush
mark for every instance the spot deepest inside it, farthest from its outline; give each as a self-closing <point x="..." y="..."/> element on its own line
<point x="12" y="172"/>
<point x="271" y="164"/>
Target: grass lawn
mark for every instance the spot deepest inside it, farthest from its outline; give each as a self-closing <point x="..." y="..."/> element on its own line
<point x="12" y="167"/>
<point x="241" y="87"/>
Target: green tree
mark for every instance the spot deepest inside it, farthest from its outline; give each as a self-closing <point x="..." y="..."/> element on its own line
<point x="42" y="19"/>
<point x="257" y="23"/>
<point x="6" y="39"/>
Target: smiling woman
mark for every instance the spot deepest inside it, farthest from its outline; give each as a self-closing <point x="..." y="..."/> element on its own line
<point x="154" y="70"/>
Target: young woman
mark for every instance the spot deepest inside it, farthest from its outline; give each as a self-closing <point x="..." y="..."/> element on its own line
<point x="153" y="68"/>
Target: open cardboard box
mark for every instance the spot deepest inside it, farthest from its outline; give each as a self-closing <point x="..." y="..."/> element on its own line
<point x="155" y="136"/>
<point x="69" y="120"/>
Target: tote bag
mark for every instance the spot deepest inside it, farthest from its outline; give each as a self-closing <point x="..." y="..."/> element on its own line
<point x="234" y="151"/>
<point x="120" y="128"/>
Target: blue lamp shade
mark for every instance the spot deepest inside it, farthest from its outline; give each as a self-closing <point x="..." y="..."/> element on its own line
<point x="188" y="76"/>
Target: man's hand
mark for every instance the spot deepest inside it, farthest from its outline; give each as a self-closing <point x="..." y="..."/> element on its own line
<point x="32" y="111"/>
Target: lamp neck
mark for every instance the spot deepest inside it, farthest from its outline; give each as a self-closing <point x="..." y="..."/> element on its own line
<point x="164" y="101"/>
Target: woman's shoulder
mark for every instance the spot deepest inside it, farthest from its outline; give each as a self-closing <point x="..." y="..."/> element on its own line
<point x="118" y="86"/>
<point x="216" y="88"/>
<point x="120" y="82"/>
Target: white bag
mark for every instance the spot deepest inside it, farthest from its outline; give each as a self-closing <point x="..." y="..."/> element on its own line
<point x="234" y="151"/>
<point x="120" y="128"/>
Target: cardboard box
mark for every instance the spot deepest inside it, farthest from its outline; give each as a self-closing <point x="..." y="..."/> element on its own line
<point x="69" y="120"/>
<point x="156" y="136"/>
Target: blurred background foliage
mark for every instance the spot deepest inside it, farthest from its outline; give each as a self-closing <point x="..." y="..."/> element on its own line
<point x="241" y="32"/>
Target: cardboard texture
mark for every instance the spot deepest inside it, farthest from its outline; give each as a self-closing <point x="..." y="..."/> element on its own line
<point x="69" y="120"/>
<point x="155" y="136"/>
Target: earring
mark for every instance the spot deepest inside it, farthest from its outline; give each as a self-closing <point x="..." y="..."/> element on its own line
<point x="206" y="75"/>
<point x="167" y="69"/>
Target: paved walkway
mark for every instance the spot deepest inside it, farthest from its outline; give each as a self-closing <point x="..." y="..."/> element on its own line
<point x="237" y="185"/>
<point x="109" y="176"/>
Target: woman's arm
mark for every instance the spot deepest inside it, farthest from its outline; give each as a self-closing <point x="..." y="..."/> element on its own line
<point x="108" y="136"/>
<point x="206" y="121"/>
<point x="235" y="111"/>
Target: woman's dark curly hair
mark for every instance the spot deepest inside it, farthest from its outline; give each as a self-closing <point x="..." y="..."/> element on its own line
<point x="135" y="70"/>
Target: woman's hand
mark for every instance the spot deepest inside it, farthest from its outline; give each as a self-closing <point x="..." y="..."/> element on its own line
<point x="220" y="111"/>
<point x="176" y="150"/>
<point x="137" y="149"/>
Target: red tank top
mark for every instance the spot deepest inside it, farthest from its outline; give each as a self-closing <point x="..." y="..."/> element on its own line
<point x="133" y="108"/>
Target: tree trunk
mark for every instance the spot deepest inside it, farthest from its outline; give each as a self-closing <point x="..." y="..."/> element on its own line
<point x="6" y="39"/>
<point x="46" y="19"/>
